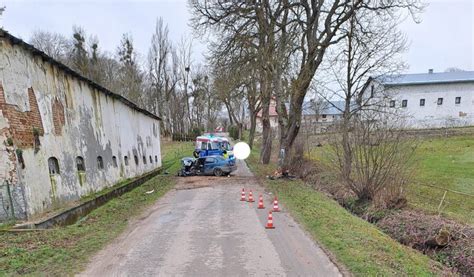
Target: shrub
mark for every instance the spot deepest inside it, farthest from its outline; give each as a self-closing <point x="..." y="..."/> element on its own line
<point x="234" y="132"/>
<point x="373" y="158"/>
<point x="195" y="132"/>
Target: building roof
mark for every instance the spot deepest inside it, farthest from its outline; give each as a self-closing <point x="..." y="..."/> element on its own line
<point x="335" y="107"/>
<point x="426" y="78"/>
<point x="16" y="41"/>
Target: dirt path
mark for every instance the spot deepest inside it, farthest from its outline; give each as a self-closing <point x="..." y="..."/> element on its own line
<point x="202" y="229"/>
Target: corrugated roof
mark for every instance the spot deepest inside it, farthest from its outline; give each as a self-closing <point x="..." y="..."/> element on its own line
<point x="14" y="40"/>
<point x="427" y="78"/>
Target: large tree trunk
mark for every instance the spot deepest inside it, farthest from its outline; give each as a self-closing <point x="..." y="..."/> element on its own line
<point x="266" y="150"/>
<point x="299" y="88"/>
<point x="291" y="134"/>
<point x="229" y="111"/>
<point x="253" y="123"/>
<point x="253" y="109"/>
<point x="280" y="104"/>
<point x="241" y="124"/>
<point x="294" y="117"/>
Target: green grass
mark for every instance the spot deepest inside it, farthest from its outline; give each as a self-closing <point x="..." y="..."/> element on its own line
<point x="66" y="250"/>
<point x="359" y="245"/>
<point x="446" y="163"/>
<point x="172" y="152"/>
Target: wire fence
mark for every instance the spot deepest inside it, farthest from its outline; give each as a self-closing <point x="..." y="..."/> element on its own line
<point x="442" y="200"/>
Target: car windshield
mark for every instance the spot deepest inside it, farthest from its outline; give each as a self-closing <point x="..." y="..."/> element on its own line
<point x="214" y="145"/>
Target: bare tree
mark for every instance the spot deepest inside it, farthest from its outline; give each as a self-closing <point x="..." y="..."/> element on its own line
<point x="185" y="62"/>
<point x="264" y="25"/>
<point x="163" y="87"/>
<point x="53" y="44"/>
<point x="319" y="24"/>
<point x="203" y="94"/>
<point x="372" y="46"/>
<point x="243" y="25"/>
<point x="159" y="59"/>
<point x="381" y="158"/>
<point x="79" y="56"/>
<point x="109" y="68"/>
<point x="129" y="74"/>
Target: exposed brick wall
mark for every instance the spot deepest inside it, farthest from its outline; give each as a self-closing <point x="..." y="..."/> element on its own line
<point x="58" y="116"/>
<point x="20" y="123"/>
<point x="8" y="162"/>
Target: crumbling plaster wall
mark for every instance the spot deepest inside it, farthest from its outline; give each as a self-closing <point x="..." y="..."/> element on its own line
<point x="77" y="120"/>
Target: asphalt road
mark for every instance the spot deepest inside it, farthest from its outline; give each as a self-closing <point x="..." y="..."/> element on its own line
<point x="202" y="229"/>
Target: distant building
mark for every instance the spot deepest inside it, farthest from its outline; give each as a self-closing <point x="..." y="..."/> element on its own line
<point x="63" y="136"/>
<point x="320" y="116"/>
<point x="428" y="100"/>
<point x="273" y="117"/>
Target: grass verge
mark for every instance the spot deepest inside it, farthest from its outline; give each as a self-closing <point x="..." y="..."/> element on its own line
<point x="447" y="165"/>
<point x="66" y="250"/>
<point x="442" y="164"/>
<point x="359" y="245"/>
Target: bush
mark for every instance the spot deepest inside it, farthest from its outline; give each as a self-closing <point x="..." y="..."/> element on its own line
<point x="195" y="132"/>
<point x="234" y="132"/>
<point x="374" y="158"/>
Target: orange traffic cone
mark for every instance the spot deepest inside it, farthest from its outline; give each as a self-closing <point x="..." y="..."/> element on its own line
<point x="275" y="205"/>
<point x="251" y="197"/>
<point x="270" y="221"/>
<point x="260" y="202"/>
<point x="242" y="197"/>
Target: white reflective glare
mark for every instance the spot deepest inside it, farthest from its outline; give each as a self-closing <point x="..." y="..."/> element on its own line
<point x="241" y="150"/>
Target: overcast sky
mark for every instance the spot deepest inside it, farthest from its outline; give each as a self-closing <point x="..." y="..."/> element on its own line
<point x="445" y="38"/>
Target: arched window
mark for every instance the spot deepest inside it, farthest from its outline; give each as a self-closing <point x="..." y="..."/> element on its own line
<point x="114" y="161"/>
<point x="53" y="165"/>
<point x="80" y="164"/>
<point x="151" y="160"/>
<point x="125" y="159"/>
<point x="136" y="159"/>
<point x="144" y="160"/>
<point x="100" y="162"/>
<point x="156" y="159"/>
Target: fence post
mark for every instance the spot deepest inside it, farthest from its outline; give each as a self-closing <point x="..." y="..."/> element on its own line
<point x="441" y="202"/>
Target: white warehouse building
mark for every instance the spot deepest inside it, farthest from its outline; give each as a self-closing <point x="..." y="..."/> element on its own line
<point x="63" y="136"/>
<point x="429" y="100"/>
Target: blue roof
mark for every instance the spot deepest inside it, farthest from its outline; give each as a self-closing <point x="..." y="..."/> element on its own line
<point x="427" y="78"/>
<point x="328" y="107"/>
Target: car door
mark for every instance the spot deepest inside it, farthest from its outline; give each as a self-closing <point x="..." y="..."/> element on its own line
<point x="209" y="165"/>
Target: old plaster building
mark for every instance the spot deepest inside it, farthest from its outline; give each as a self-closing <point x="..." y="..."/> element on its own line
<point x="429" y="100"/>
<point x="63" y="136"/>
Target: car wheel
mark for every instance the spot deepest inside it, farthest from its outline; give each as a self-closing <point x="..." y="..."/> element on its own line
<point x="218" y="172"/>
